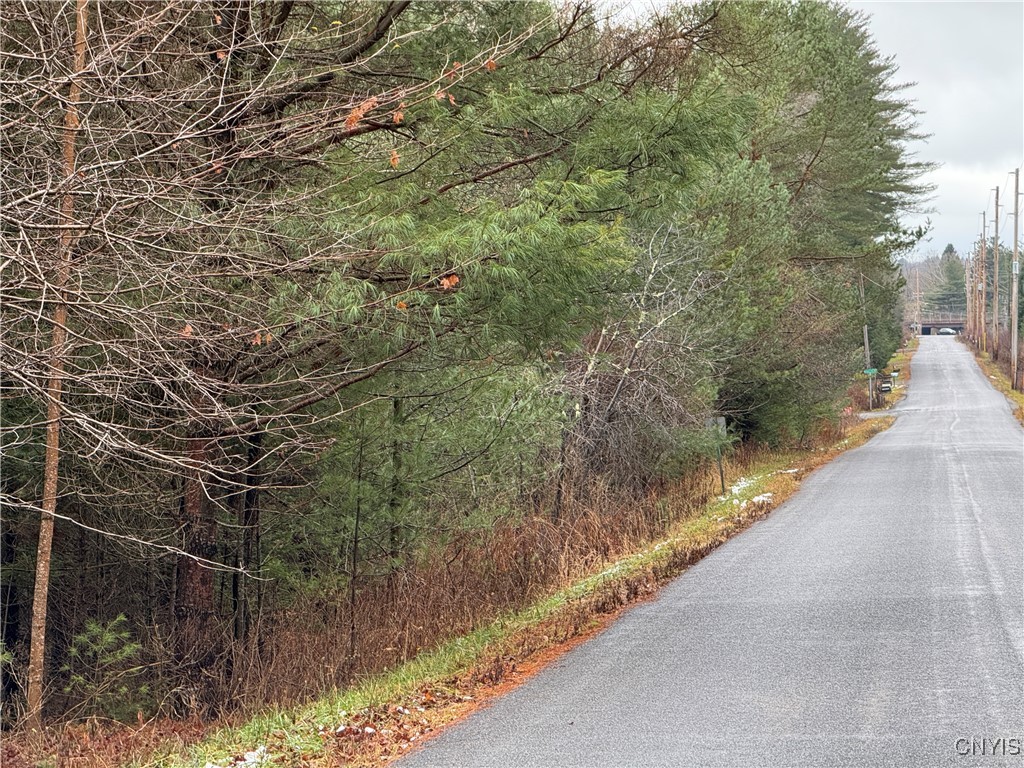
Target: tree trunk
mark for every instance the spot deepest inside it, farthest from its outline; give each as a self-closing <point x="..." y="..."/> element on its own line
<point x="354" y="562"/>
<point x="194" y="602"/>
<point x="51" y="466"/>
<point x="249" y="521"/>
<point x="395" y="544"/>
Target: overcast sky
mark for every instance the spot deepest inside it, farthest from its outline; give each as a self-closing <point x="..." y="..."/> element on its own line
<point x="967" y="62"/>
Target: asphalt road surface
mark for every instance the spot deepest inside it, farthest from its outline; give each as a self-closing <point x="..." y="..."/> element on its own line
<point x="875" y="619"/>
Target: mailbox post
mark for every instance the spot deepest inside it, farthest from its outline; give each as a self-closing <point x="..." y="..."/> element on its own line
<point x="871" y="373"/>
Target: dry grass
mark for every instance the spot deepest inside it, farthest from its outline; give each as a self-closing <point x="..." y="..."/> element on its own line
<point x="901" y="361"/>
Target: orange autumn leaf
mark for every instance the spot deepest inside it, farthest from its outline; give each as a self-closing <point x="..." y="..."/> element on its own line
<point x="398" y="116"/>
<point x="257" y="339"/>
<point x="394" y="158"/>
<point x="186" y="332"/>
<point x="439" y="95"/>
<point x="402" y="305"/>
<point x="359" y="112"/>
<point x="449" y="282"/>
<point x="451" y="99"/>
<point x="490" y="65"/>
<point x="221" y="55"/>
<point x="268" y="337"/>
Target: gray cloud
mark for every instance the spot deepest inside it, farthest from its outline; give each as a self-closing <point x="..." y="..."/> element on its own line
<point x="966" y="62"/>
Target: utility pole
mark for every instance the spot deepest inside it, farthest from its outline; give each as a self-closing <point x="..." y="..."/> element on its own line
<point x="975" y="303"/>
<point x="917" y="292"/>
<point x="968" y="283"/>
<point x="867" y="347"/>
<point x="972" y="291"/>
<point x="982" y="287"/>
<point x="1014" y="350"/>
<point x="995" y="285"/>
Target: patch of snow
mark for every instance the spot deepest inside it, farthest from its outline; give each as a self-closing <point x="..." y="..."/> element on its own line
<point x="254" y="759"/>
<point x="258" y="756"/>
<point x="741" y="484"/>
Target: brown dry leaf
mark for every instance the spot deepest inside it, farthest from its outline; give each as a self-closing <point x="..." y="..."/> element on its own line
<point x="394" y="158"/>
<point x="221" y="55"/>
<point x="186" y="332"/>
<point x="359" y="112"/>
<point x="257" y="339"/>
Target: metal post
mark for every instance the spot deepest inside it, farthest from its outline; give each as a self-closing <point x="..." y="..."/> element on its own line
<point x="721" y="471"/>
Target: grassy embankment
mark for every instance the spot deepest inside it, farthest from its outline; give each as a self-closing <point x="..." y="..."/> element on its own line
<point x="386" y="715"/>
<point x="901" y="362"/>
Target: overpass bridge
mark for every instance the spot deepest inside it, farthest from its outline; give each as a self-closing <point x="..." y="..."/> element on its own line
<point x="931" y="322"/>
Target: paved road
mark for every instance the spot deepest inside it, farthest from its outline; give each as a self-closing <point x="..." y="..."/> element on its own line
<point x="873" y="620"/>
